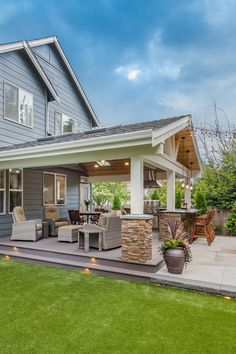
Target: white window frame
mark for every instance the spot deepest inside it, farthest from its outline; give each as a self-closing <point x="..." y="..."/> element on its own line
<point x="16" y="190"/>
<point x="55" y="187"/>
<point x="29" y="93"/>
<point x="4" y="192"/>
<point x="64" y="116"/>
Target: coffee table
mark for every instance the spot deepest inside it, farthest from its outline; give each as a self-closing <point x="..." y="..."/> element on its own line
<point x="88" y="230"/>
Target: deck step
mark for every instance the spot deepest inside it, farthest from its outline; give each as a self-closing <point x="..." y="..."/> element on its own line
<point x="78" y="258"/>
<point x="97" y="268"/>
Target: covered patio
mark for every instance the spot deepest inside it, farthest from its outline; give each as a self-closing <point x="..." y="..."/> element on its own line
<point x="165" y="147"/>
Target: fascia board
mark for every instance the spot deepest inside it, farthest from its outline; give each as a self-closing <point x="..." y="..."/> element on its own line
<point x="108" y="142"/>
<point x="160" y="135"/>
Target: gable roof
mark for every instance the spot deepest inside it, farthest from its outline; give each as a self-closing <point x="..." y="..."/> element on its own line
<point x="4" y="48"/>
<point x="54" y="40"/>
<point x="112" y="131"/>
<point x="27" y="45"/>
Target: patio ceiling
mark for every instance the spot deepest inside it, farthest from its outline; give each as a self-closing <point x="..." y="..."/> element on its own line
<point x="187" y="144"/>
<point x="116" y="167"/>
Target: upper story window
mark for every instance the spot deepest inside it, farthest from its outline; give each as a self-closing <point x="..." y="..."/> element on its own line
<point x="64" y="124"/>
<point x="18" y="105"/>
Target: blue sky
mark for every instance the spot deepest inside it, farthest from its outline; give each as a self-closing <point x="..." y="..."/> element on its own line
<point x="139" y="60"/>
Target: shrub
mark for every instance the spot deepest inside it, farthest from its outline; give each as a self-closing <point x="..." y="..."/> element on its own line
<point x="200" y="201"/>
<point x="231" y="220"/>
<point x="116" y="204"/>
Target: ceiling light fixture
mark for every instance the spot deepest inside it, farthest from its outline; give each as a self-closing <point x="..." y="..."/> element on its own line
<point x="103" y="163"/>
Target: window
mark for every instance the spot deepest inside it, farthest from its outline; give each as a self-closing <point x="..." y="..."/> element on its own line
<point x="15" y="188"/>
<point x="18" y="105"/>
<point x="2" y="191"/>
<point x="54" y="188"/>
<point x="64" y="124"/>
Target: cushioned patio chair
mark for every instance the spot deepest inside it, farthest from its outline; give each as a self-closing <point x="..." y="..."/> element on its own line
<point x="111" y="226"/>
<point x="51" y="215"/>
<point x="25" y="230"/>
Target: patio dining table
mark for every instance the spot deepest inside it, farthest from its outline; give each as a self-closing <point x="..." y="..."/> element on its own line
<point x="88" y="214"/>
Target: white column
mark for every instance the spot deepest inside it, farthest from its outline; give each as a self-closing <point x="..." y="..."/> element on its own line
<point x="136" y="179"/>
<point x="187" y="197"/>
<point x="170" y="190"/>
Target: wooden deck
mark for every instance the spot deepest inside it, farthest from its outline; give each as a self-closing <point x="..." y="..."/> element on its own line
<point x="49" y="250"/>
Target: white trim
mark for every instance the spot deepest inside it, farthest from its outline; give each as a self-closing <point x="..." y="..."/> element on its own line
<point x="4" y="48"/>
<point x="160" y="135"/>
<point x="113" y="141"/>
<point x="16" y="190"/>
<point x="55" y="187"/>
<point x="19" y="89"/>
<point x="47" y="40"/>
<point x="4" y="190"/>
<point x="41" y="71"/>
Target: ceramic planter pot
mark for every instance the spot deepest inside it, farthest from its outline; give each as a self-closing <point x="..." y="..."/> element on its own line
<point x="175" y="260"/>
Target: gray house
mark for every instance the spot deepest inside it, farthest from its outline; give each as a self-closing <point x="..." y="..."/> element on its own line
<point x="52" y="144"/>
<point x="40" y="97"/>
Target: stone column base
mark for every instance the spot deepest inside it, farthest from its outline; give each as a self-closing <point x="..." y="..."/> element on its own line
<point x="136" y="238"/>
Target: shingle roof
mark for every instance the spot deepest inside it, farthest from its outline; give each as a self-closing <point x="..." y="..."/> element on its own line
<point x="95" y="133"/>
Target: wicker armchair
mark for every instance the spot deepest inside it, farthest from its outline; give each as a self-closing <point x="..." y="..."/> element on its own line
<point x="51" y="215"/>
<point x="111" y="226"/>
<point x="25" y="230"/>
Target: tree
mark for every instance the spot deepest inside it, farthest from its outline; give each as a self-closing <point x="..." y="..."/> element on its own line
<point x="216" y="139"/>
<point x="103" y="192"/>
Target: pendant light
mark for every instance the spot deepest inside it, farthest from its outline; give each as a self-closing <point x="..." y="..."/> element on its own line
<point x="191" y="175"/>
<point x="183" y="182"/>
<point x="187" y="186"/>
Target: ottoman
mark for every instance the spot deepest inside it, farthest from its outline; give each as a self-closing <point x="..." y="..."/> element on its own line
<point x="69" y="233"/>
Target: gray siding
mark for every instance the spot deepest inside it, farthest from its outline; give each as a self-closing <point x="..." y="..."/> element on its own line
<point x="33" y="196"/>
<point x="71" y="103"/>
<point x="16" y="69"/>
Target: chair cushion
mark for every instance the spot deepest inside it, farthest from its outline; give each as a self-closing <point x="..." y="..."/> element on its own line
<point x="19" y="214"/>
<point x="61" y="223"/>
<point x="38" y="227"/>
<point x="51" y="212"/>
<point x="102" y="222"/>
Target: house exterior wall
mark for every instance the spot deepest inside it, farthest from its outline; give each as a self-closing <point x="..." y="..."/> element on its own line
<point x="16" y="69"/>
<point x="33" y="196"/>
<point x="71" y="102"/>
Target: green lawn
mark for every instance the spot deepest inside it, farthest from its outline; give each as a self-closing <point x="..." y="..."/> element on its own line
<point x="49" y="310"/>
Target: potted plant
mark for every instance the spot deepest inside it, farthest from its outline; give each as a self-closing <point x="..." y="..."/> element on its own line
<point x="175" y="248"/>
<point x="87" y="202"/>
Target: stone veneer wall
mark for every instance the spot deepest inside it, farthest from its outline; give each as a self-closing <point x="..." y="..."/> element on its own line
<point x="136" y="239"/>
<point x="187" y="218"/>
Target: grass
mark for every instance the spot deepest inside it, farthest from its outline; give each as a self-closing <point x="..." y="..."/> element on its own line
<point x="49" y="310"/>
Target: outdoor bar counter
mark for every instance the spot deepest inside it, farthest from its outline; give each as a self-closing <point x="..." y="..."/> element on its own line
<point x="180" y="215"/>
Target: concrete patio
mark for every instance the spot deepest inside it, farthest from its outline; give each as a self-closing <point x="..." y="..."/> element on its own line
<point x="213" y="268"/>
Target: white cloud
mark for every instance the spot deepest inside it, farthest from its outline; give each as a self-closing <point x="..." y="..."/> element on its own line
<point x="158" y="62"/>
<point x="132" y="73"/>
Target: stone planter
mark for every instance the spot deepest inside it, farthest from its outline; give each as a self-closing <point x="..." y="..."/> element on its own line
<point x="175" y="260"/>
